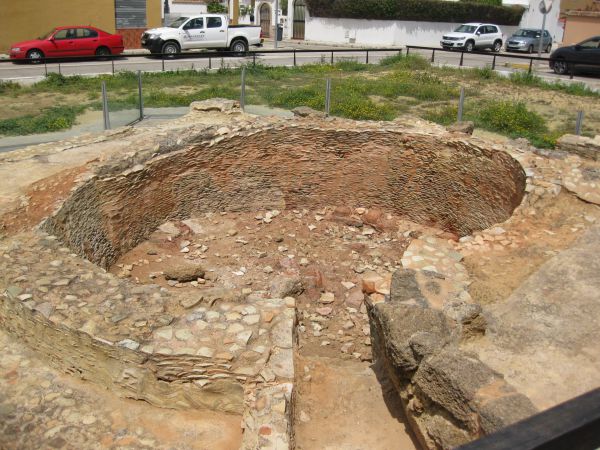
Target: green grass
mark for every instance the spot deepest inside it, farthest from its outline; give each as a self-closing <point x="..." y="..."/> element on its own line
<point x="397" y="85"/>
<point x="51" y="119"/>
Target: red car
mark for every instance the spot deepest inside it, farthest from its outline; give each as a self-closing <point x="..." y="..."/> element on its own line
<point x="69" y="41"/>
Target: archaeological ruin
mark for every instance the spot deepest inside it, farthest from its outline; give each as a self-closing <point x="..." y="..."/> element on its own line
<point x="226" y="280"/>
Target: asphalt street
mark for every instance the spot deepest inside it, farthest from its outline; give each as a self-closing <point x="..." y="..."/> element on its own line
<point x="34" y="72"/>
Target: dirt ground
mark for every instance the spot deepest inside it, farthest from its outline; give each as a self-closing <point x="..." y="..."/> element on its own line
<point x="497" y="273"/>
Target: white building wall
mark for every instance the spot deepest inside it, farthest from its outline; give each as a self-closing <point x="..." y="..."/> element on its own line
<point x="381" y="32"/>
<point x="398" y="33"/>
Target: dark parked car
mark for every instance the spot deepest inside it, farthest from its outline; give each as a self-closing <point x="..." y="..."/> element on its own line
<point x="584" y="57"/>
<point x="528" y="40"/>
<point x="69" y="41"/>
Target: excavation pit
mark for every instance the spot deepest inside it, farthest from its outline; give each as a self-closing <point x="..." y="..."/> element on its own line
<point x="281" y="217"/>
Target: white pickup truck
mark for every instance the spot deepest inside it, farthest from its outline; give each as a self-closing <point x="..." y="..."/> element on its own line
<point x="203" y="31"/>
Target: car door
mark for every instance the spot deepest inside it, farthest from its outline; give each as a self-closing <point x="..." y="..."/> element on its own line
<point x="588" y="52"/>
<point x="193" y="34"/>
<point x="87" y="41"/>
<point x="492" y="34"/>
<point x="480" y="34"/>
<point x="216" y="32"/>
<point x="63" y="43"/>
<point x="547" y="39"/>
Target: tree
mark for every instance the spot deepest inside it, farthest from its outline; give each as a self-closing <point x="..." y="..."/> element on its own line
<point x="216" y="7"/>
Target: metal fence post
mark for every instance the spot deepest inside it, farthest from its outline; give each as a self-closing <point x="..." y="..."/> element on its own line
<point x="327" y="96"/>
<point x="209" y="63"/>
<point x="462" y="57"/>
<point x="112" y="62"/>
<point x="530" y="65"/>
<point x="494" y="63"/>
<point x="253" y="59"/>
<point x="140" y="93"/>
<point x="45" y="67"/>
<point x="367" y="60"/>
<point x="105" y="107"/>
<point x="579" y="123"/>
<point x="59" y="71"/>
<point x="461" y="103"/>
<point x="407" y="50"/>
<point x="163" y="62"/>
<point x="243" y="92"/>
<point x="433" y="55"/>
<point x="294" y="57"/>
<point x="332" y="57"/>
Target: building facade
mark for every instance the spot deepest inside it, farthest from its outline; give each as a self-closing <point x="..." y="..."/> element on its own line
<point x="28" y="19"/>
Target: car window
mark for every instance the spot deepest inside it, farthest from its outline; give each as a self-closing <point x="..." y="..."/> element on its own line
<point x="481" y="30"/>
<point x="86" y="33"/>
<point x="194" y="24"/>
<point x="591" y="43"/>
<point x="492" y="29"/>
<point x="214" y="22"/>
<point x="177" y="23"/>
<point x="466" y="29"/>
<point x="61" y="34"/>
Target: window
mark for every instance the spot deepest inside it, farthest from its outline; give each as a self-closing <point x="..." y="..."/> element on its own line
<point x="61" y="34"/>
<point x="592" y="43"/>
<point x="86" y="33"/>
<point x="464" y="29"/>
<point x="481" y="30"/>
<point x="194" y="24"/>
<point x="214" y="22"/>
<point x="178" y="22"/>
<point x="492" y="29"/>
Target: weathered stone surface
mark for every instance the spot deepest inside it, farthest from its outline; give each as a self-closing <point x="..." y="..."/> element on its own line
<point x="184" y="272"/>
<point x="286" y="286"/>
<point x="396" y="325"/>
<point x="462" y="127"/>
<point x="580" y="145"/>
<point x="305" y="111"/>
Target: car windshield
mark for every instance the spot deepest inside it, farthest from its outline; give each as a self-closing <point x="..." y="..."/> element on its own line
<point x="47" y="35"/>
<point x="466" y="29"/>
<point x="178" y="22"/>
<point x="526" y="33"/>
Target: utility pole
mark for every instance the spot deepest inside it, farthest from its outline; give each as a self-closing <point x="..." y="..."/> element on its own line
<point x="235" y="12"/>
<point x="545" y="7"/>
<point x="276" y="20"/>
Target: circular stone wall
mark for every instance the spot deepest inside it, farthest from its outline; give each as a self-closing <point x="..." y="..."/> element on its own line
<point x="439" y="180"/>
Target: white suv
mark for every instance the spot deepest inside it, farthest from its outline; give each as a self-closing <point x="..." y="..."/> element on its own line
<point x="471" y="36"/>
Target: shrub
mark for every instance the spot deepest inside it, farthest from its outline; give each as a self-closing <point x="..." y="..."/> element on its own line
<point x="512" y="118"/>
<point x="416" y="10"/>
<point x="51" y="119"/>
<point x="216" y="7"/>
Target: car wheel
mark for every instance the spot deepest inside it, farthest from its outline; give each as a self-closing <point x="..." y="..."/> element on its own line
<point x="530" y="49"/>
<point x="102" y="51"/>
<point x="560" y="67"/>
<point x="469" y="46"/>
<point x="170" y="49"/>
<point x="239" y="46"/>
<point x="34" y="55"/>
<point x="549" y="48"/>
<point x="497" y="46"/>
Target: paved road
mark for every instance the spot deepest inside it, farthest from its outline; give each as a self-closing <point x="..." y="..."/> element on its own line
<point x="31" y="73"/>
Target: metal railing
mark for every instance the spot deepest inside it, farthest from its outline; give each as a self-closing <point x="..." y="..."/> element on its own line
<point x="571" y="64"/>
<point x="210" y="56"/>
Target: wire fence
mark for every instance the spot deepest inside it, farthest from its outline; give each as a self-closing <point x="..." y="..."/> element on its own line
<point x="337" y="82"/>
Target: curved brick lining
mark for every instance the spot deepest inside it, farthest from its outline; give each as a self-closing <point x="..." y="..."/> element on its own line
<point x="444" y="181"/>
